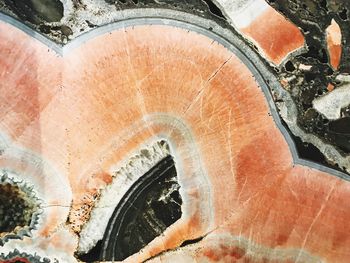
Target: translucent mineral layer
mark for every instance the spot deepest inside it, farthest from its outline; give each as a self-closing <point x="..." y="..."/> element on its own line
<point x="75" y="121"/>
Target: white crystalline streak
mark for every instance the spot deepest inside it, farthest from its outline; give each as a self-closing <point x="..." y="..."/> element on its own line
<point x="124" y="176"/>
<point x="243" y="12"/>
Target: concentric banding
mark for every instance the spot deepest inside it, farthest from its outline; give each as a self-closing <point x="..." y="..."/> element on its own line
<point x="253" y="160"/>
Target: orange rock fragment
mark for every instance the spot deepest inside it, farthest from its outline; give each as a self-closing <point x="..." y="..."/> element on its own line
<point x="330" y="87"/>
<point x="274" y="35"/>
<point x="334" y="43"/>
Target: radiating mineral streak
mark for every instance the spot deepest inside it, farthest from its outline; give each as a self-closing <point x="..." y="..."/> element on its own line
<point x="84" y="124"/>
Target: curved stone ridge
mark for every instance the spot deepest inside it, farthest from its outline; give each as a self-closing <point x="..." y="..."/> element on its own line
<point x="255" y="188"/>
<point x="123" y="178"/>
<point x="19" y="209"/>
<point x="151" y="205"/>
<point x="64" y="20"/>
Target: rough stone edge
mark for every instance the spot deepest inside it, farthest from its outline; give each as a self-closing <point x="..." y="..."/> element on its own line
<point x="81" y="16"/>
<point x="26" y="231"/>
<point x="124" y="176"/>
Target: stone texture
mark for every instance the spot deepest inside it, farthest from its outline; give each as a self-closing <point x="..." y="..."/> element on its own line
<point x="316" y="19"/>
<point x="334" y="101"/>
<point x="69" y="122"/>
<point x="275" y="36"/>
<point x="334" y="43"/>
<point x="253" y="19"/>
<point x="85" y="111"/>
<point x="19" y="209"/>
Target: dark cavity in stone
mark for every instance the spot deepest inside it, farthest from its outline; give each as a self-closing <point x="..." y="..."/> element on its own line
<point x="37" y="11"/>
<point x="339" y="132"/>
<point x="191" y="241"/>
<point x="214" y="9"/>
<point x="309" y="152"/>
<point x="150" y="206"/>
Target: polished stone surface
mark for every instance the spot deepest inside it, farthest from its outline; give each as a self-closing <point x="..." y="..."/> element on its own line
<point x="84" y="123"/>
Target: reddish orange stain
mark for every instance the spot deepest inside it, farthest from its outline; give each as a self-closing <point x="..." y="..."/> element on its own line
<point x="275" y="35"/>
<point x="334" y="43"/>
<point x="330" y="87"/>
